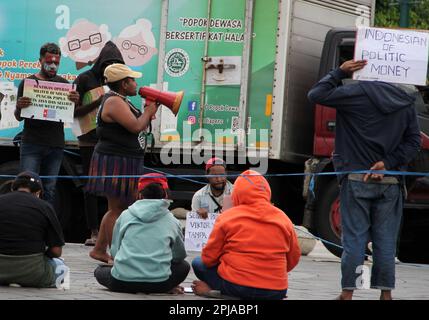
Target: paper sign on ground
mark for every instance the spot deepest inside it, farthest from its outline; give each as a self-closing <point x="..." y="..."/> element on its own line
<point x="49" y="101"/>
<point x="396" y="56"/>
<point x="198" y="230"/>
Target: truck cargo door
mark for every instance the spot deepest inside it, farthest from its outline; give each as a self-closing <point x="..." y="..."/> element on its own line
<point x="222" y="73"/>
<point x="205" y="55"/>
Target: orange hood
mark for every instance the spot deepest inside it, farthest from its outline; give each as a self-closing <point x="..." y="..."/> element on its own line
<point x="251" y="188"/>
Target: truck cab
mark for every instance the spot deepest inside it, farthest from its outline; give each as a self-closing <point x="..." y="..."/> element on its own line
<point x="322" y="212"/>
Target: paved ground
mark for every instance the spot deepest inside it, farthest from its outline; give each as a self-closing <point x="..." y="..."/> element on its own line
<point x="316" y="277"/>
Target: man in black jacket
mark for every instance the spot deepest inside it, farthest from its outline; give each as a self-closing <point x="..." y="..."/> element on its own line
<point x="376" y="129"/>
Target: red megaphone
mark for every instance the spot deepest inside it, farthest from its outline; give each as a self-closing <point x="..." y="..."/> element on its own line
<point x="171" y="100"/>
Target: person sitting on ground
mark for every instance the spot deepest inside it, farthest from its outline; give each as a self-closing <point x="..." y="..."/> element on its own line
<point x="31" y="238"/>
<point x="252" y="247"/>
<point x="209" y="199"/>
<point x="147" y="247"/>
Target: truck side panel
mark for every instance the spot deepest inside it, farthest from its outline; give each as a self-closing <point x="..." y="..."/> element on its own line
<point x="214" y="30"/>
<point x="293" y="125"/>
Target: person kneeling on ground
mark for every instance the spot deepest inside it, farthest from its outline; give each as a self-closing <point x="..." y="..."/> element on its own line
<point x="147" y="247"/>
<point x="251" y="248"/>
<point x="29" y="225"/>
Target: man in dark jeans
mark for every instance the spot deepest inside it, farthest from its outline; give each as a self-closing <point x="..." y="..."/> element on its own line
<point x="89" y="85"/>
<point x="42" y="144"/>
<point x="376" y="129"/>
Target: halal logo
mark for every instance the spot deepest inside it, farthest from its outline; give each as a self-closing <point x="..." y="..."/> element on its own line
<point x="176" y="62"/>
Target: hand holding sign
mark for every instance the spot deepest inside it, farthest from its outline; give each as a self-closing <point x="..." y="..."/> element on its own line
<point x="73" y="96"/>
<point x="351" y="66"/>
<point x="23" y="102"/>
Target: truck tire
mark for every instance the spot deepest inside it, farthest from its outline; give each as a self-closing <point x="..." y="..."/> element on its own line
<point x="327" y="219"/>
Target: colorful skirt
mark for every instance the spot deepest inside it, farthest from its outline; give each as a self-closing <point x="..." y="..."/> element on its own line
<point x="125" y="188"/>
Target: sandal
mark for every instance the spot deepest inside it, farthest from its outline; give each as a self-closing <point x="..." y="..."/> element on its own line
<point x="91" y="241"/>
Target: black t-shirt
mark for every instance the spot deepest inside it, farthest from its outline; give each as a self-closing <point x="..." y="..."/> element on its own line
<point x="27" y="225"/>
<point x="42" y="132"/>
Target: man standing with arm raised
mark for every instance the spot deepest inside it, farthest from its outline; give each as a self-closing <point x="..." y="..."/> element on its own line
<point x="376" y="129"/>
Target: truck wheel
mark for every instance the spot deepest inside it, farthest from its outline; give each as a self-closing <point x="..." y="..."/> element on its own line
<point x="328" y="219"/>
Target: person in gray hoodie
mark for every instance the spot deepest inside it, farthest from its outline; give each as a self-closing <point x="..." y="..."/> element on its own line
<point x="147" y="246"/>
<point x="377" y="130"/>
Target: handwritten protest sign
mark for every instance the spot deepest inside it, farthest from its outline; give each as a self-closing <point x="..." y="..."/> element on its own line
<point x="397" y="56"/>
<point x="48" y="101"/>
<point x="198" y="230"/>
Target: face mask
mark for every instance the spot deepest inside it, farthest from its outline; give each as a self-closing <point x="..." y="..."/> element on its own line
<point x="50" y="67"/>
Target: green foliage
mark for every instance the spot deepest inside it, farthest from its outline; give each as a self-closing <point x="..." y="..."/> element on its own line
<point x="387" y="13"/>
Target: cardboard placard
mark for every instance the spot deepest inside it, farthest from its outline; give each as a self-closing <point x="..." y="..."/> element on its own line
<point x="198" y="230"/>
<point x="86" y="123"/>
<point x="396" y="56"/>
<point x="49" y="101"/>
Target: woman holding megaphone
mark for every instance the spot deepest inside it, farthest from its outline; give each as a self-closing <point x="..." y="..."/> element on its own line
<point x="118" y="151"/>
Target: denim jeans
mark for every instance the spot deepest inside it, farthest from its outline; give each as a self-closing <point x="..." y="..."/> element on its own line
<point x="369" y="211"/>
<point x="214" y="281"/>
<point x="45" y="161"/>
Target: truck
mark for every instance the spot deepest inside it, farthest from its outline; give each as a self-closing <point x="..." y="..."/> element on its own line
<point x="245" y="67"/>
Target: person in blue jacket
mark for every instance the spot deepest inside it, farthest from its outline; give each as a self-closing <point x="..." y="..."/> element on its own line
<point x="376" y="129"/>
<point x="147" y="246"/>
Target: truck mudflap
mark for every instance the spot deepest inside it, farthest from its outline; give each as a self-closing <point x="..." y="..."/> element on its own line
<point x="312" y="185"/>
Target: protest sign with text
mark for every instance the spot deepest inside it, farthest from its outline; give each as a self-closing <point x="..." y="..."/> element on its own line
<point x="49" y="101"/>
<point x="396" y="56"/>
<point x="198" y="230"/>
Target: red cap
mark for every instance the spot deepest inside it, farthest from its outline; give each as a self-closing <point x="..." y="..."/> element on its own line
<point x="152" y="178"/>
<point x="215" y="162"/>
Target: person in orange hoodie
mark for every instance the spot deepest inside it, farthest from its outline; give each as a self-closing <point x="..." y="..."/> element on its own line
<point x="252" y="246"/>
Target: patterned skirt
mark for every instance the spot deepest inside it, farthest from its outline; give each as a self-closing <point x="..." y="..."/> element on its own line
<point x="125" y="188"/>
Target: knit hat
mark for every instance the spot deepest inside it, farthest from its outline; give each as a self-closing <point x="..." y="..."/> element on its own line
<point x="149" y="178"/>
<point x="215" y="162"/>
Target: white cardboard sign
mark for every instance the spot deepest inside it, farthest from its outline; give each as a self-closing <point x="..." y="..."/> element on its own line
<point x="49" y="101"/>
<point x="198" y="230"/>
<point x="396" y="56"/>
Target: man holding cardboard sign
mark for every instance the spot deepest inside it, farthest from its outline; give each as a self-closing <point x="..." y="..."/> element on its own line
<point x="42" y="144"/>
<point x="376" y="129"/>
